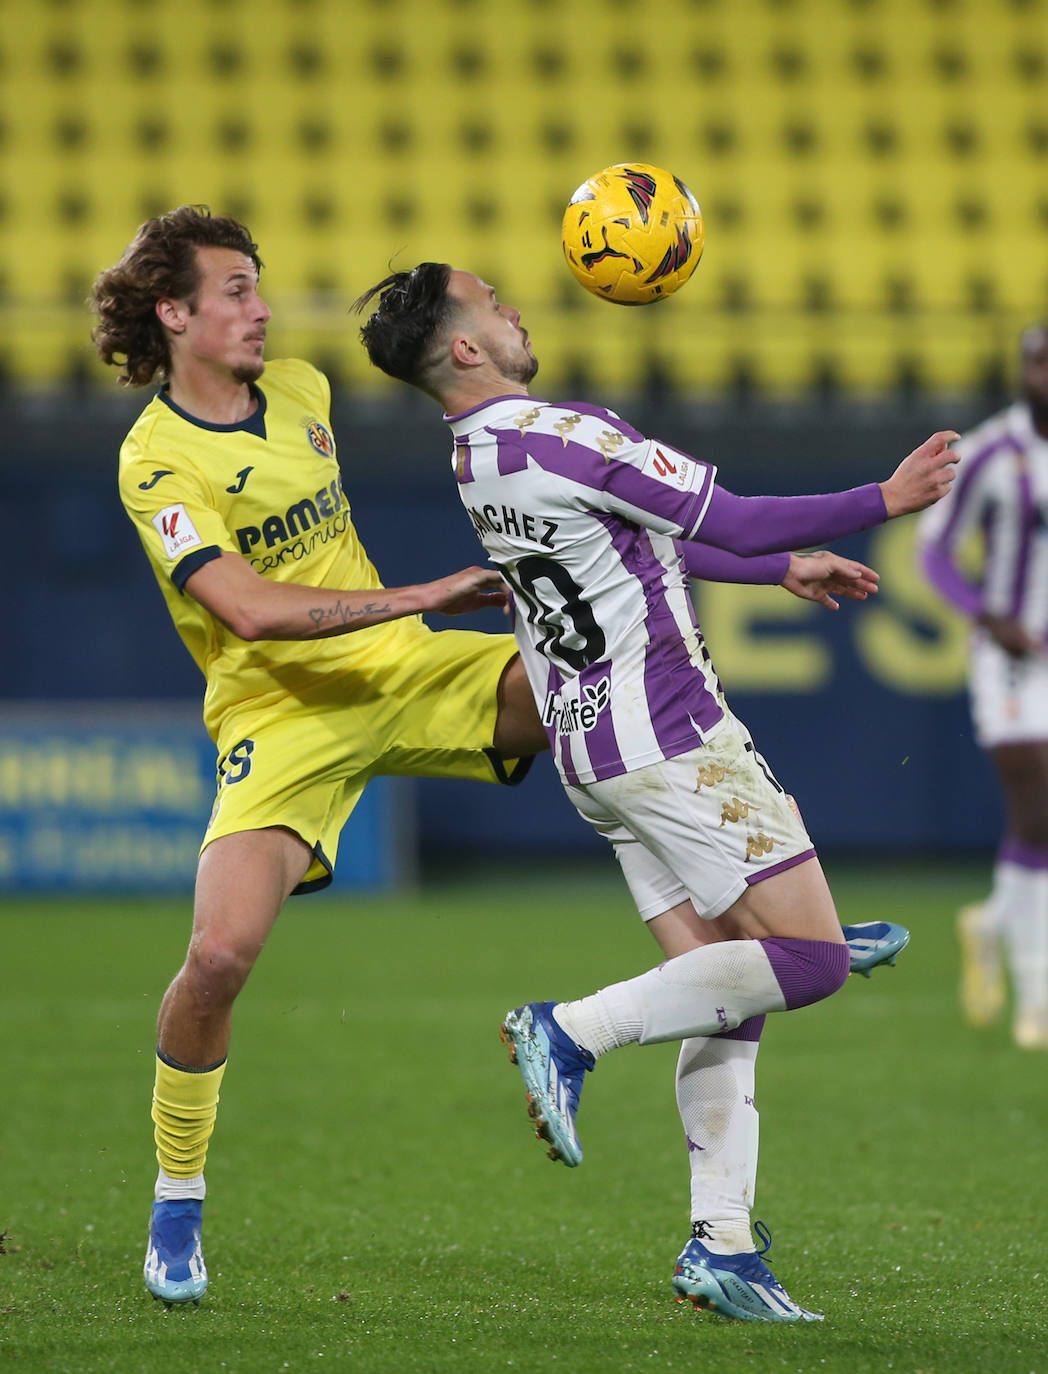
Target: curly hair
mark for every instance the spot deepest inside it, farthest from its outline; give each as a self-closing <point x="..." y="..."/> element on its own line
<point x="413" y="307"/>
<point x="160" y="262"/>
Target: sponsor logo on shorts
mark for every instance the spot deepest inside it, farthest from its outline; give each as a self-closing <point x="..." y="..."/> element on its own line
<point x="567" y="717"/>
<point x="710" y="774"/>
<point x="736" y="810"/>
<point x="757" y="846"/>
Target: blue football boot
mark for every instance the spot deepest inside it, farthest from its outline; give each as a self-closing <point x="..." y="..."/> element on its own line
<point x="174" y="1268"/>
<point x="740" y="1286"/>
<point x="873" y="943"/>
<point x="552" y="1067"/>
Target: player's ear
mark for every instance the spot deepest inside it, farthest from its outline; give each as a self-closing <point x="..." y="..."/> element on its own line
<point x="172" y="314"/>
<point x="464" y="351"/>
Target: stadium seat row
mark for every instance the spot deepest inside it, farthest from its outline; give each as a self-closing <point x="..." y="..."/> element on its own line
<point x="869" y="169"/>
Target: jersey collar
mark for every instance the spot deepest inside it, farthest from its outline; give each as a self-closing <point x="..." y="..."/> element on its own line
<point x="491" y="412"/>
<point x="254" y="424"/>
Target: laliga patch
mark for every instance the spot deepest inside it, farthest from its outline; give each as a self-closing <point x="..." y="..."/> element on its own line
<point x="176" y="530"/>
<point x="670" y="466"/>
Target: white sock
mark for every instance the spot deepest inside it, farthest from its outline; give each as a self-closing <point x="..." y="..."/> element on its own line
<point x="710" y="989"/>
<point x="1006" y="894"/>
<point x="715" y="1095"/>
<point x="1026" y="938"/>
<point x="170" y="1189"/>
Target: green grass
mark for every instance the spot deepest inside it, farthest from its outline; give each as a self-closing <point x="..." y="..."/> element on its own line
<point x="377" y="1200"/>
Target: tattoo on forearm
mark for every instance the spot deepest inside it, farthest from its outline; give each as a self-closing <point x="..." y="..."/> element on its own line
<point x="343" y="614"/>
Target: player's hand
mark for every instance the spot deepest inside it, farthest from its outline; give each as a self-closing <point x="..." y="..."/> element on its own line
<point x="822" y="576"/>
<point x="923" y="477"/>
<point x="472" y="589"/>
<point x="1010" y="635"/>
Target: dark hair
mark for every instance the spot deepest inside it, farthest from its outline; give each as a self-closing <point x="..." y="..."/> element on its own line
<point x="160" y="262"/>
<point x="413" y="307"/>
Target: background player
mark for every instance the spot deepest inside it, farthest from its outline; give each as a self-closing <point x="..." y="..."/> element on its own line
<point x="581" y="513"/>
<point x="1002" y="492"/>
<point x="233" y="484"/>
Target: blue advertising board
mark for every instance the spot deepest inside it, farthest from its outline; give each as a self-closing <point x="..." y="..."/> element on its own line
<point x="116" y="799"/>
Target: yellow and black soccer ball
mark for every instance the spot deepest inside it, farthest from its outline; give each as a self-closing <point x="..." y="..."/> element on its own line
<point x="633" y="233"/>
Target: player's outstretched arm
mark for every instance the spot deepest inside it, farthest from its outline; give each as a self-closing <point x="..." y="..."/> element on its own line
<point x="810" y="576"/>
<point x="923" y="476"/>
<point x="254" y="608"/>
<point x="822" y="576"/>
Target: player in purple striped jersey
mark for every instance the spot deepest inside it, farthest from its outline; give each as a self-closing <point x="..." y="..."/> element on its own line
<point x="594" y="526"/>
<point x="1001" y="494"/>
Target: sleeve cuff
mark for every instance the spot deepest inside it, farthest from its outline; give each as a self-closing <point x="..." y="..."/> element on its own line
<point x="188" y="566"/>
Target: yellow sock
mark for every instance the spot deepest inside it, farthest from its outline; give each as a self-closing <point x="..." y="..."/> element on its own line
<point x="185" y="1105"/>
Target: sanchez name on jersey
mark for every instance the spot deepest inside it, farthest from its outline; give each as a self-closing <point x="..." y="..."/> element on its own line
<point x="580" y="513"/>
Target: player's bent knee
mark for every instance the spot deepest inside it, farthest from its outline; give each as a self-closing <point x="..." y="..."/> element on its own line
<point x="215" y="972"/>
<point x="807" y="970"/>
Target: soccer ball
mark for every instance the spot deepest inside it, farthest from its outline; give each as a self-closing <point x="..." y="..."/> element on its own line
<point x="633" y="233"/>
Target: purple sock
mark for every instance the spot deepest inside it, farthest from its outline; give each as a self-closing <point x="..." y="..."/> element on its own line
<point x="1013" y="851"/>
<point x="807" y="970"/>
<point x="750" y="1029"/>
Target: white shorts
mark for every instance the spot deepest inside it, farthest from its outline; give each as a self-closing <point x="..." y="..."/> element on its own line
<point x="703" y="825"/>
<point x="1009" y="696"/>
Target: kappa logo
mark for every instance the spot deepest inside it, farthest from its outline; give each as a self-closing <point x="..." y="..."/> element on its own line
<point x="757" y="846"/>
<point x="710" y="774"/>
<point x="736" y="810"/>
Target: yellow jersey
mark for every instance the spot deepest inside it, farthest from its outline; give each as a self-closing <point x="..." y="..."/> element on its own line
<point x="268" y="488"/>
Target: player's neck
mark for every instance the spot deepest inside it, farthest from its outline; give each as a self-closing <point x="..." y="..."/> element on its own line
<point x="217" y="398"/>
<point x="476" y="392"/>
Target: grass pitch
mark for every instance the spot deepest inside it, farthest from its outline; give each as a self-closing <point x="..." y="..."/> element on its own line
<point x="378" y="1202"/>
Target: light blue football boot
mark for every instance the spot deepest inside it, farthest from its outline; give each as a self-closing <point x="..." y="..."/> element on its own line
<point x="740" y="1286"/>
<point x="552" y="1067"/>
<point x="873" y="943"/>
<point x="174" y="1268"/>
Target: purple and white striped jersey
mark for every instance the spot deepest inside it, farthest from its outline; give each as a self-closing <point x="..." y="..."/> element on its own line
<point x="580" y="512"/>
<point x="1001" y="492"/>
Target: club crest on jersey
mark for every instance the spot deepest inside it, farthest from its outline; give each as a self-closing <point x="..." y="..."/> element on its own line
<point x="321" y="438"/>
<point x="566" y="717"/>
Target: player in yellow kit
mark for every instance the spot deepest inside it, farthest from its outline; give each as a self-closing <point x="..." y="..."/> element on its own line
<point x="231" y="478"/>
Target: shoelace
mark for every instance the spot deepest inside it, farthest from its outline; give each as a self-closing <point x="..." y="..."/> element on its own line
<point x="753" y="1262"/>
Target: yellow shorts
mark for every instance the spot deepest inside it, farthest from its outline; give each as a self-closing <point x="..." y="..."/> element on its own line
<point x="430" y="712"/>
